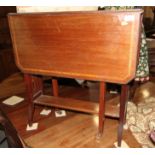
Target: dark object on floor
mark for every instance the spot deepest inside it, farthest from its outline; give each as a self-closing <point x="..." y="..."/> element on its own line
<point x="9" y="133"/>
<point x="152" y="136"/>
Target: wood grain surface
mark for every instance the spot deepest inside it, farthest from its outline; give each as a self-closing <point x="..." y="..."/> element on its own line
<point x="93" y="45"/>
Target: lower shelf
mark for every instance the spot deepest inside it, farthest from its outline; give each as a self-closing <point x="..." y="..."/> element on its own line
<point x="76" y="105"/>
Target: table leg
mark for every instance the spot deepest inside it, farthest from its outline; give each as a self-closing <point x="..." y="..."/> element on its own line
<point x="34" y="88"/>
<point x="101" y="108"/>
<point x="55" y="87"/>
<point x="122" y="115"/>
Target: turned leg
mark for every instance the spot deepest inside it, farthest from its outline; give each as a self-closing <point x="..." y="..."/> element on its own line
<point x="101" y="109"/>
<point x="122" y="114"/>
<point x="34" y="88"/>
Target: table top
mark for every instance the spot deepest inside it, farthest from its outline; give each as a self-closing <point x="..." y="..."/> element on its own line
<point x="91" y="45"/>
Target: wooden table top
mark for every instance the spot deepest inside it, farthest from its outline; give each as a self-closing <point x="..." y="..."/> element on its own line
<point x="92" y="45"/>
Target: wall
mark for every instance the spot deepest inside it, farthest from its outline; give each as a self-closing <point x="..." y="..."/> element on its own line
<point x="7" y="64"/>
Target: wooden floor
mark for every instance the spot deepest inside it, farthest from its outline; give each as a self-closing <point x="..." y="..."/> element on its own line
<point x="74" y="130"/>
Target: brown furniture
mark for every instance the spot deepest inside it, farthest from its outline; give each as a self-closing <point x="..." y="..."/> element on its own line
<point x="151" y="55"/>
<point x="12" y="137"/>
<point x="99" y="46"/>
<point x="151" y="60"/>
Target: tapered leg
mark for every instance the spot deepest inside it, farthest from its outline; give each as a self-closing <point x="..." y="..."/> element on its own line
<point x="29" y="89"/>
<point x="122" y="114"/>
<point x="126" y="99"/>
<point x="55" y="87"/>
<point x="34" y="87"/>
<point x="101" y="109"/>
